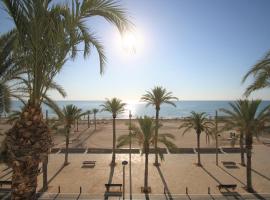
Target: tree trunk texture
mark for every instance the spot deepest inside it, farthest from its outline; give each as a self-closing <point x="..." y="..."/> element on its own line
<point x="241" y="142"/>
<point x="88" y="121"/>
<point x="28" y="143"/>
<point x="114" y="140"/>
<point x="156" y="136"/>
<point x="67" y="144"/>
<point x="198" y="147"/>
<point x="248" y="167"/>
<point x="95" y="121"/>
<point x="146" y="169"/>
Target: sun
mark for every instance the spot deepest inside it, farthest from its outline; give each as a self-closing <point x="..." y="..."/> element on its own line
<point x="129" y="42"/>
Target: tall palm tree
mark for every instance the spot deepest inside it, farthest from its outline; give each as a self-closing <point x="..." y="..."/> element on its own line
<point x="95" y="111"/>
<point x="47" y="33"/>
<point x="200" y="123"/>
<point x="69" y="115"/>
<point x="233" y="123"/>
<point x="157" y="96"/>
<point x="261" y="73"/>
<point x="115" y="107"/>
<point x="144" y="135"/>
<point x="88" y="113"/>
<point x="252" y="121"/>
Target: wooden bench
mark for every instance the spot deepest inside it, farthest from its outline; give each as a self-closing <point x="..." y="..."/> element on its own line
<point x="116" y="193"/>
<point x="7" y="183"/>
<point x="227" y="186"/>
<point x="89" y="164"/>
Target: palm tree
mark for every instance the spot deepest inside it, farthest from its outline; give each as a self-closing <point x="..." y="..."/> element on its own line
<point x="144" y="135"/>
<point x="88" y="113"/>
<point x="116" y="107"/>
<point x="69" y="115"/>
<point x="251" y="121"/>
<point x="47" y="33"/>
<point x="95" y="111"/>
<point x="261" y="74"/>
<point x="8" y="71"/>
<point x="157" y="96"/>
<point x="233" y="123"/>
<point x="200" y="123"/>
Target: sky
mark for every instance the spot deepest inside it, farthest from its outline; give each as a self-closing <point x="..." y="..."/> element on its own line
<point x="198" y="50"/>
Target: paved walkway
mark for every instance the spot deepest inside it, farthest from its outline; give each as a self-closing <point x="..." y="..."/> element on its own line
<point x="227" y="196"/>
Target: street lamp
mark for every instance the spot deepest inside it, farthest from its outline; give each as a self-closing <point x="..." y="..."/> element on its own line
<point x="124" y="163"/>
<point x="130" y="180"/>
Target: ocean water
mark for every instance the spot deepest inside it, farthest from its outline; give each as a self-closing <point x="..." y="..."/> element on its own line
<point x="182" y="109"/>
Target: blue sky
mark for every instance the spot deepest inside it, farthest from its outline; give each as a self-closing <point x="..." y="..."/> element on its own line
<point x="199" y="50"/>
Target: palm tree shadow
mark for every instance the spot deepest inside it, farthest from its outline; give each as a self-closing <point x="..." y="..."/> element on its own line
<point x="231" y="175"/>
<point x="211" y="175"/>
<point x="147" y="196"/>
<point x="78" y="197"/>
<point x="258" y="196"/>
<point x="110" y="179"/>
<point x="58" y="171"/>
<point x="235" y="195"/>
<point x="260" y="174"/>
<point x="9" y="172"/>
<point x="111" y="174"/>
<point x="165" y="185"/>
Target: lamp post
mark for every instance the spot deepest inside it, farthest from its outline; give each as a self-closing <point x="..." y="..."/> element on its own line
<point x="216" y="130"/>
<point x="130" y="177"/>
<point x="124" y="163"/>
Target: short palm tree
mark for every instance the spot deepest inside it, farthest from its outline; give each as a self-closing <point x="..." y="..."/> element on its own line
<point x="157" y="96"/>
<point x="251" y="121"/>
<point x="200" y="123"/>
<point x="47" y="33"/>
<point x="115" y="107"/>
<point x="68" y="116"/>
<point x="95" y="111"/>
<point x="261" y="73"/>
<point x="144" y="135"/>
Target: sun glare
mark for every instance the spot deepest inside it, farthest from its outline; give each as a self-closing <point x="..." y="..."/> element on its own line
<point x="130" y="42"/>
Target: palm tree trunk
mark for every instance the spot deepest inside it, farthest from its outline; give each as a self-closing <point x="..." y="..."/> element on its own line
<point x="67" y="144"/>
<point x="114" y="141"/>
<point x="24" y="179"/>
<point x="88" y="121"/>
<point x="146" y="169"/>
<point x="95" y="121"/>
<point x="156" y="136"/>
<point x="242" y="148"/>
<point x="28" y="143"/>
<point x="198" y="147"/>
<point x="248" y="167"/>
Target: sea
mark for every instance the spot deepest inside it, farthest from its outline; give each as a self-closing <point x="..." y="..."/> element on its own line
<point x="137" y="109"/>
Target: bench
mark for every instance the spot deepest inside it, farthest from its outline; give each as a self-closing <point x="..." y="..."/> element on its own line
<point x="89" y="164"/>
<point x="227" y="186"/>
<point x="7" y="183"/>
<point x="115" y="193"/>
